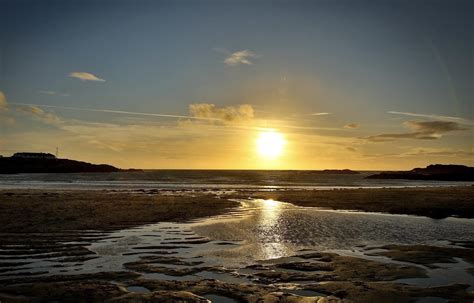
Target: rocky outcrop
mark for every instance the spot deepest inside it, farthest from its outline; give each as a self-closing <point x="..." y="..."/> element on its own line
<point x="18" y="165"/>
<point x="340" y="172"/>
<point x="438" y="172"/>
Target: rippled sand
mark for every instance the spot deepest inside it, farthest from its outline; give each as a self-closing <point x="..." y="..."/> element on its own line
<point x="302" y="251"/>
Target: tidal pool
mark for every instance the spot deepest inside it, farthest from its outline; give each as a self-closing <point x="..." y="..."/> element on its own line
<point x="259" y="232"/>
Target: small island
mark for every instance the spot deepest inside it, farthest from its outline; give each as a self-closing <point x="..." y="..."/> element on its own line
<point x="30" y="163"/>
<point x="339" y="172"/>
<point x="436" y="172"/>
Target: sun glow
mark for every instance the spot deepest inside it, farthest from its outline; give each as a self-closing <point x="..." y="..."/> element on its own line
<point x="270" y="144"/>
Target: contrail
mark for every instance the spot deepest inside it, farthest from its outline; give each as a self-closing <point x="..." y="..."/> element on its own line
<point x="100" y="110"/>
<point x="432" y="116"/>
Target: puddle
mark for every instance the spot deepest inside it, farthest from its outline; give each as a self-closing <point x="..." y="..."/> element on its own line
<point x="139" y="289"/>
<point x="431" y="300"/>
<point x="158" y="276"/>
<point x="224" y="277"/>
<point x="219" y="299"/>
<point x="305" y="293"/>
<point x="259" y="232"/>
<point x="447" y="273"/>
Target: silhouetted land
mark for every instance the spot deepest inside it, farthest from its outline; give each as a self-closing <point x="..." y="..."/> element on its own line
<point x="12" y="165"/>
<point x="434" y="202"/>
<point x="432" y="172"/>
<point x="339" y="172"/>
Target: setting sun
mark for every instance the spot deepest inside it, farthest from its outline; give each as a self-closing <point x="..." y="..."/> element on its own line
<point x="270" y="144"/>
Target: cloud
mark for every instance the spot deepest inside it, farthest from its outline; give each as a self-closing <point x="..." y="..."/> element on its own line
<point x="85" y="76"/>
<point x="351" y="126"/>
<point x="430" y="116"/>
<point x="240" y="57"/>
<point x="227" y="115"/>
<point x="434" y="126"/>
<point x="52" y="93"/>
<point x="111" y="111"/>
<point x="47" y="92"/>
<point x="421" y="130"/>
<point x="3" y="102"/>
<point x="319" y="114"/>
<point x="39" y="114"/>
<point x="7" y="121"/>
<point x="434" y="152"/>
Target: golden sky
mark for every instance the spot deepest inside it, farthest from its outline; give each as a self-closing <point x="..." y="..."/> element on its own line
<point x="201" y="84"/>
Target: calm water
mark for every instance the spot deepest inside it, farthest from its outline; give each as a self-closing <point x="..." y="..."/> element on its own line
<point x="200" y="179"/>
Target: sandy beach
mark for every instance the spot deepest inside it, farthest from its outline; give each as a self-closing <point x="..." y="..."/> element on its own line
<point x="66" y="228"/>
<point x="433" y="202"/>
<point x="54" y="211"/>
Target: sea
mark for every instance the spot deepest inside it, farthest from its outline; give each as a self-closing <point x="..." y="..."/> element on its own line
<point x="210" y="180"/>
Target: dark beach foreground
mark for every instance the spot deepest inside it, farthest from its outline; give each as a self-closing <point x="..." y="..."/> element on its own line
<point x="56" y="211"/>
<point x="59" y="227"/>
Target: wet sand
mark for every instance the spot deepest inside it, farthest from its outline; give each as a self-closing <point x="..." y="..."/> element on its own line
<point x="66" y="230"/>
<point x="433" y="202"/>
<point x="52" y="211"/>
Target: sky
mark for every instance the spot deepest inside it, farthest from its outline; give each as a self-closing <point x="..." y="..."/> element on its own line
<point x="194" y="84"/>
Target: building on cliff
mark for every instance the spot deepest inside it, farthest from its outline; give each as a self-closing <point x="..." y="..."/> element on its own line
<point x="34" y="156"/>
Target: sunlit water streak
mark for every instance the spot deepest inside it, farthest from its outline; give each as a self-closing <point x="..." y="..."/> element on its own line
<point x="205" y="180"/>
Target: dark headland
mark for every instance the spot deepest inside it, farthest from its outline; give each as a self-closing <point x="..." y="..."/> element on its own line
<point x="339" y="172"/>
<point x="47" y="163"/>
<point x="437" y="172"/>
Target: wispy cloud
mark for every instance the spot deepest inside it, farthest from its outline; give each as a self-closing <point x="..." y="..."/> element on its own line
<point x="4" y="117"/>
<point x="429" y="116"/>
<point x="422" y="130"/>
<point x="424" y="153"/>
<point x="227" y="115"/>
<point x="439" y="152"/>
<point x="3" y="102"/>
<point x="241" y="57"/>
<point x="111" y="111"/>
<point x="85" y="76"/>
<point x="351" y="149"/>
<point x="53" y="93"/>
<point x="351" y="126"/>
<point x="319" y="114"/>
<point x="39" y="114"/>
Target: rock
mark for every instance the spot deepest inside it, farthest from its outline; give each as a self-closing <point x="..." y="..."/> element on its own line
<point x="162" y="297"/>
<point x="280" y="297"/>
<point x="425" y="254"/>
<point x="432" y="172"/>
<point x="12" y="165"/>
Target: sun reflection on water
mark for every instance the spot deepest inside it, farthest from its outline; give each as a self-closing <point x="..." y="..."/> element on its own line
<point x="271" y="229"/>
